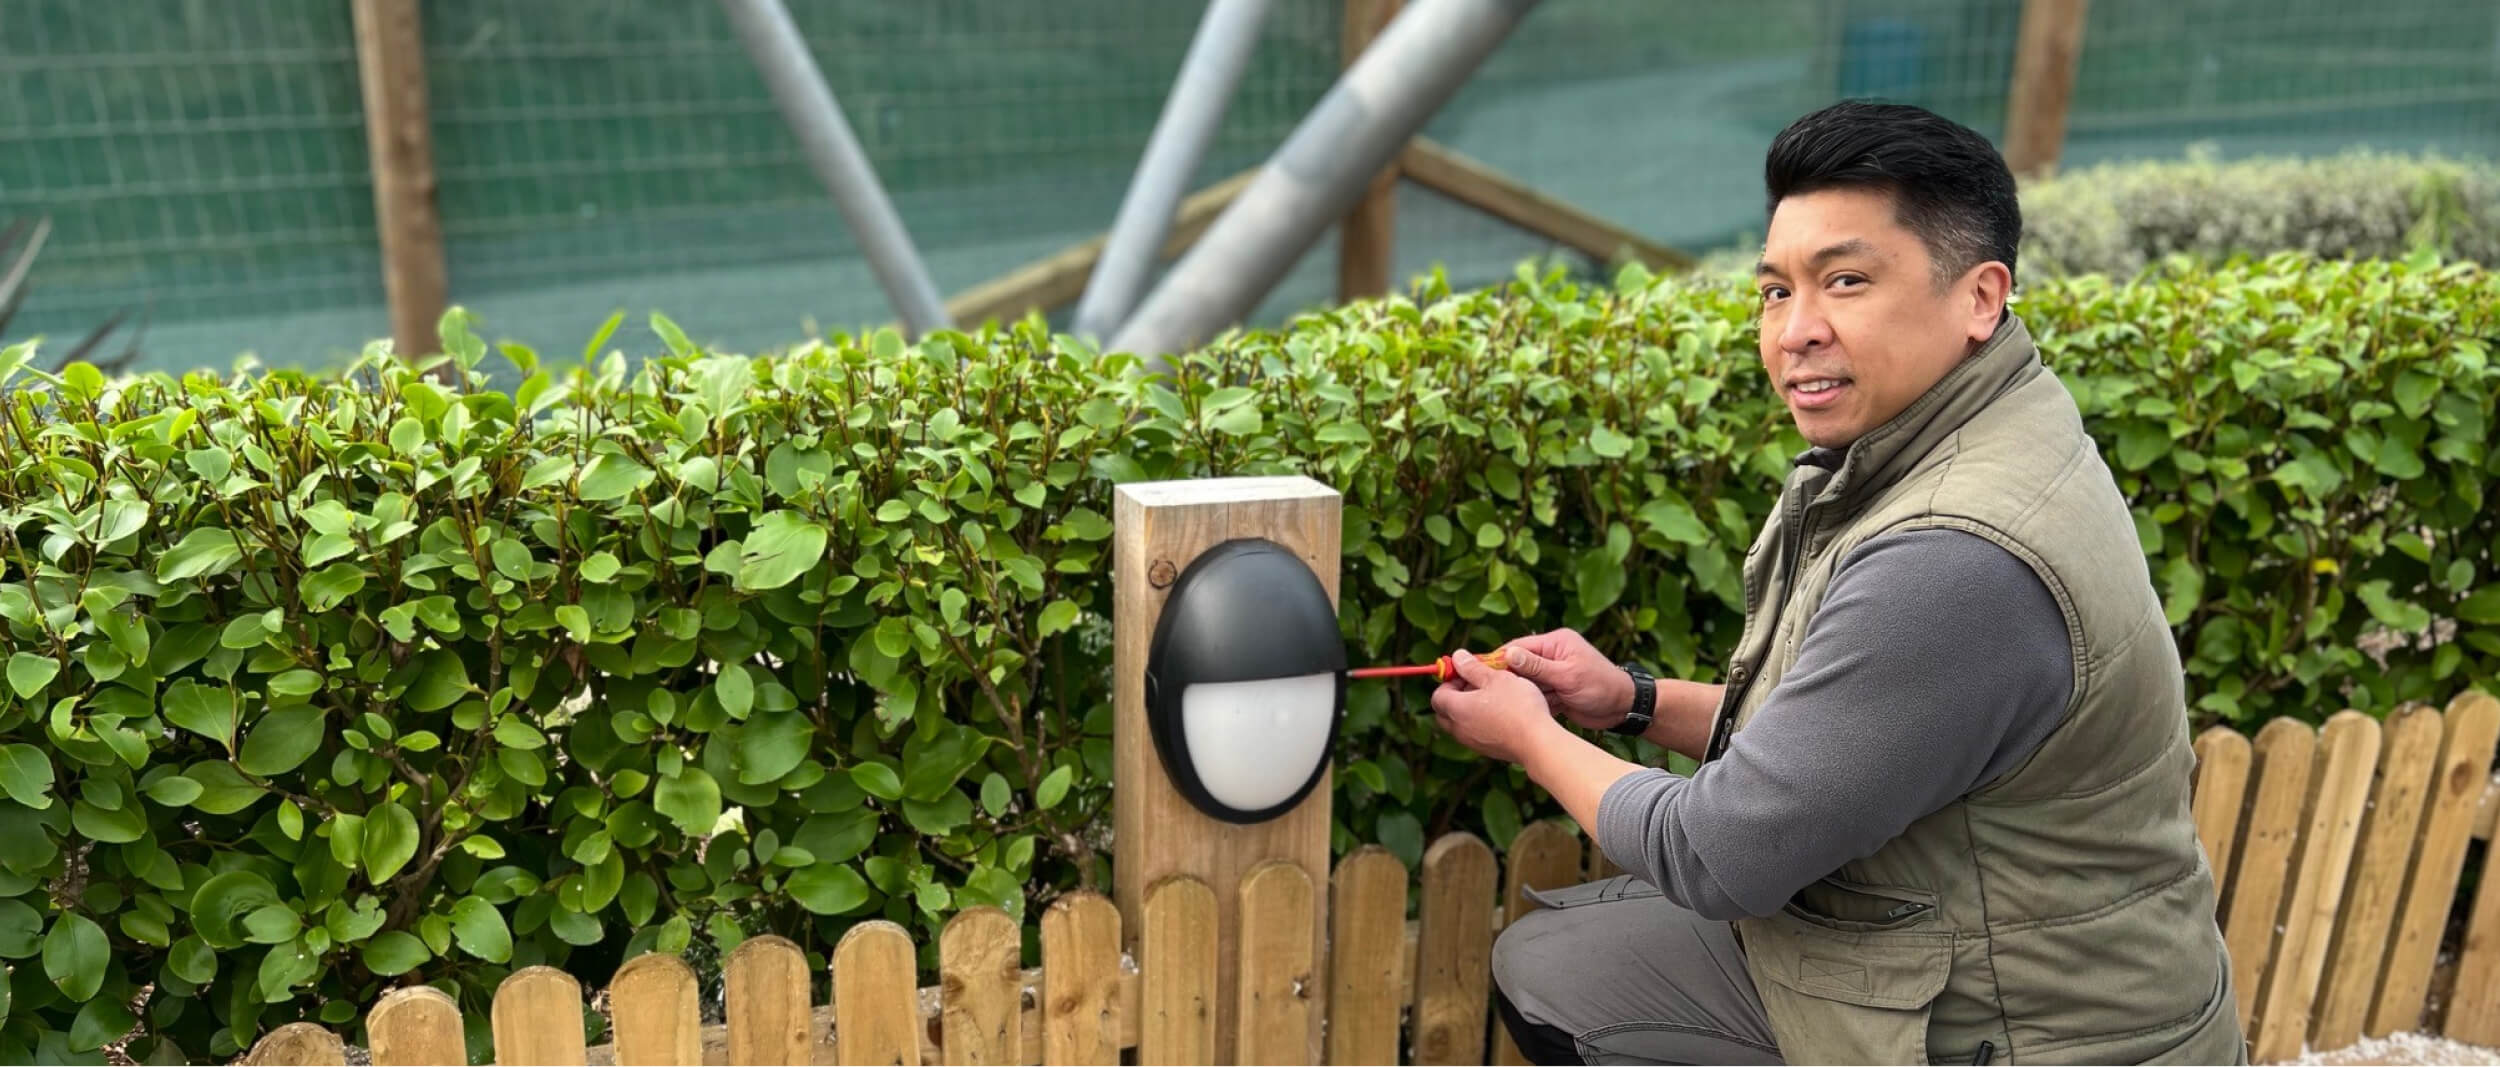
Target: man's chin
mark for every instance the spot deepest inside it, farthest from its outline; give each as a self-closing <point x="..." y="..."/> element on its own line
<point x="1821" y="430"/>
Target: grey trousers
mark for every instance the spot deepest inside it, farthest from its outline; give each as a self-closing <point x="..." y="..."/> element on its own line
<point x="1613" y="972"/>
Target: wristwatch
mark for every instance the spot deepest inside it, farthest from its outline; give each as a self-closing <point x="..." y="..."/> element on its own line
<point x="1644" y="704"/>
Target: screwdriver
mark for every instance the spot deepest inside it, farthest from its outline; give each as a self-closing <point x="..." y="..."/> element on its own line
<point x="1440" y="670"/>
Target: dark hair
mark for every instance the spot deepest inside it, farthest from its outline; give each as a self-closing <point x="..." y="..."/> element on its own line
<point x="1949" y="186"/>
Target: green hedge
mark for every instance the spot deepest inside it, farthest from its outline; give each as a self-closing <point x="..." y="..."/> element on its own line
<point x="2116" y="218"/>
<point x="315" y="686"/>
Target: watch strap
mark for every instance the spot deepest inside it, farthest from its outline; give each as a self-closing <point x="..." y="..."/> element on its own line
<point x="1644" y="704"/>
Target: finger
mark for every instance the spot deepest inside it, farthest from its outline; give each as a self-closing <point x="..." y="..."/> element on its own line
<point x="1527" y="663"/>
<point x="1470" y="669"/>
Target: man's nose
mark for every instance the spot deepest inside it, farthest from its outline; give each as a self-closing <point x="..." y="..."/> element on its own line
<point x="1805" y="326"/>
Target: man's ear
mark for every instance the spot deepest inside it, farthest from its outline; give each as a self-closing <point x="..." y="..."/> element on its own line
<point x="1988" y="287"/>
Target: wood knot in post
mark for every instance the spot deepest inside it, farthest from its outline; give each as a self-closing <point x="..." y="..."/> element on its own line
<point x="1162" y="574"/>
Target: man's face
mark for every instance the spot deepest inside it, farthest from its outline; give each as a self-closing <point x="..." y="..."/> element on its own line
<point x="1855" y="324"/>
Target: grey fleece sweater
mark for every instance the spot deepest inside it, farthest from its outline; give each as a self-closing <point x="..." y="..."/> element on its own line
<point x="1936" y="662"/>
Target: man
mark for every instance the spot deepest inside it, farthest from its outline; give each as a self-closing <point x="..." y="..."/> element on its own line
<point x="1942" y="814"/>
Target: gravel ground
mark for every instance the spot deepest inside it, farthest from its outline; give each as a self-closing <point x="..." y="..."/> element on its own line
<point x="2404" y="1049"/>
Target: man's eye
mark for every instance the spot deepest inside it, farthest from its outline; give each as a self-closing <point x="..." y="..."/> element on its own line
<point x="1774" y="293"/>
<point x="1848" y="280"/>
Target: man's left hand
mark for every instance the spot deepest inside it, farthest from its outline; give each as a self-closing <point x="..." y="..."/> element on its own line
<point x="1495" y="713"/>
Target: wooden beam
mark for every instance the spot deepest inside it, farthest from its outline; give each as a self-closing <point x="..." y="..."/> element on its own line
<point x="1058" y="279"/>
<point x="2047" y="52"/>
<point x="1368" y="239"/>
<point x="1157" y="530"/>
<point x="1506" y="198"/>
<point x="390" y="58"/>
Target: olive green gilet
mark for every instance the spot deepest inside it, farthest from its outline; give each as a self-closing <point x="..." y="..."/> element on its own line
<point x="2063" y="912"/>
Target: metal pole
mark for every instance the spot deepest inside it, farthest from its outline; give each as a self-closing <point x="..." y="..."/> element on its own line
<point x="1321" y="169"/>
<point x="833" y="152"/>
<point x="1227" y="35"/>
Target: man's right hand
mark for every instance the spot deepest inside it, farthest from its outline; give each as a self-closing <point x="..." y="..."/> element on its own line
<point x="1579" y="682"/>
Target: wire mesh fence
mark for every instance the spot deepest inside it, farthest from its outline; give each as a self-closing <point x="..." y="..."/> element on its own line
<point x="203" y="161"/>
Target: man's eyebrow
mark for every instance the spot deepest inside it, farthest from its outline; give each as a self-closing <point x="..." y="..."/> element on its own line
<point x="1855" y="246"/>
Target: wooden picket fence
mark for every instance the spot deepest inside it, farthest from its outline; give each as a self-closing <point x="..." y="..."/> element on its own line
<point x="2339" y="852"/>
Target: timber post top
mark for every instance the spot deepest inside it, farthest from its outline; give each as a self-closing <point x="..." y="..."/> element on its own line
<point x="1222" y="491"/>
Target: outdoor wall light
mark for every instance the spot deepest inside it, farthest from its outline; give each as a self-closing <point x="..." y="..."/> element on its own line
<point x="1244" y="681"/>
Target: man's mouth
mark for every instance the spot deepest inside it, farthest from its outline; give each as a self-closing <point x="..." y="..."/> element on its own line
<point x="1815" y="392"/>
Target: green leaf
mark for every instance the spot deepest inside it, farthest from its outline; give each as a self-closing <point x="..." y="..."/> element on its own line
<point x="773" y="744"/>
<point x="1501" y="819"/>
<point x="689" y="798"/>
<point x="782" y="547"/>
<point x="393" y="953"/>
<point x="193" y="961"/>
<point x="480" y="930"/>
<point x="995" y="794"/>
<point x="203" y="551"/>
<point x="1608" y="444"/>
<point x="29" y="673"/>
<point x="513" y="733"/>
<point x="21" y="929"/>
<point x="1058" y="616"/>
<point x="26" y="774"/>
<point x="1401" y="833"/>
<point x="2184" y="585"/>
<point x="2403" y="616"/>
<point x="612" y="477"/>
<point x="1674" y="519"/>
<point x="174" y="790"/>
<point x="1054" y="788"/>
<point x="331" y="586"/>
<point x="827" y="888"/>
<point x="390" y="841"/>
<point x="441" y="679"/>
<point x="2482" y="608"/>
<point x="204" y="710"/>
<point x="110" y="827"/>
<point x="295" y="683"/>
<point x="100" y="1022"/>
<point x="223" y="901"/>
<point x="735" y="691"/>
<point x="939" y="817"/>
<point x="282" y="740"/>
<point x="878" y="780"/>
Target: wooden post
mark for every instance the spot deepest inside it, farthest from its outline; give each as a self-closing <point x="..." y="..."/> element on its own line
<point x="1369" y="233"/>
<point x="2048" y="50"/>
<point x="390" y="56"/>
<point x="1157" y="529"/>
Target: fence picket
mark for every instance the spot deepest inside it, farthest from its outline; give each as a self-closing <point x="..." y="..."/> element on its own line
<point x="1366" y="957"/>
<point x="1176" y="964"/>
<point x="2284" y="752"/>
<point x="1081" y="981"/>
<point x="981" y="988"/>
<point x="298" y="1045"/>
<point x="766" y="990"/>
<point x="2465" y="751"/>
<point x="876" y="996"/>
<point x="2222" y="759"/>
<point x="2376" y="883"/>
<point x="1279" y="989"/>
<point x="415" y="1025"/>
<point x="537" y="1018"/>
<point x="2348" y="749"/>
<point x="654" y="1012"/>
<point x="1455" y="969"/>
<point x="2474" y="1006"/>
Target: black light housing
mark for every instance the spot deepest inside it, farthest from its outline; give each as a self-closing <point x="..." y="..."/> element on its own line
<point x="1246" y="681"/>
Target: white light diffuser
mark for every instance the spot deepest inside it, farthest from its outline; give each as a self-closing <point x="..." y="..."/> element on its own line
<point x="1254" y="743"/>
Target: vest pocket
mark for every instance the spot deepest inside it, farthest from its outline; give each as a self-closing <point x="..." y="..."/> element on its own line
<point x="1837" y="995"/>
